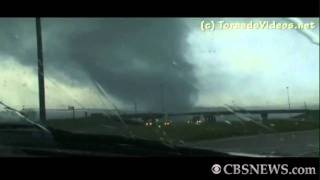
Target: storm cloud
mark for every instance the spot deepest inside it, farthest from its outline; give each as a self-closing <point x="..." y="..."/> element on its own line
<point x="155" y="61"/>
<point x="134" y="59"/>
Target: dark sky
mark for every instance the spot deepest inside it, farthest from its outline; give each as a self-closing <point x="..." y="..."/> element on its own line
<point x="131" y="58"/>
<point x="143" y="60"/>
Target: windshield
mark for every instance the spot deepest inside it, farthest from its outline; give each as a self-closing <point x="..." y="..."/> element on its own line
<point x="235" y="85"/>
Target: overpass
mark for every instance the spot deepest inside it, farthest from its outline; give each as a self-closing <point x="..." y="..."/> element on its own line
<point x="210" y="115"/>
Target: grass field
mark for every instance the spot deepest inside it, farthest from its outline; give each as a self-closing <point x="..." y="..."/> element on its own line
<point x="186" y="132"/>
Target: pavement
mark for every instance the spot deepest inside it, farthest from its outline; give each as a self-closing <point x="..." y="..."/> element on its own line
<point x="289" y="144"/>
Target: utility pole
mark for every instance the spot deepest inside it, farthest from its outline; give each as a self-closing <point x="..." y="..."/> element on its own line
<point x="73" y="112"/>
<point x="42" y="104"/>
<point x="162" y="97"/>
<point x="135" y="106"/>
<point x="288" y="97"/>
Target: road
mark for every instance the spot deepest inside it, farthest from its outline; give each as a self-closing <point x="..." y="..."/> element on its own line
<point x="302" y="143"/>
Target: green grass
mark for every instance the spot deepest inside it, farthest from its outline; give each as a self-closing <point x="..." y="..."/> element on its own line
<point x="186" y="132"/>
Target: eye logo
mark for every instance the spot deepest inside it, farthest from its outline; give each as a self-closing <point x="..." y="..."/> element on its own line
<point x="216" y="169"/>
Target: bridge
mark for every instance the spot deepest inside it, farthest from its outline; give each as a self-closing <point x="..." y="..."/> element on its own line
<point x="210" y="115"/>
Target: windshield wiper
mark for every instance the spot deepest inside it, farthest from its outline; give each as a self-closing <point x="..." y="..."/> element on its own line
<point x="36" y="124"/>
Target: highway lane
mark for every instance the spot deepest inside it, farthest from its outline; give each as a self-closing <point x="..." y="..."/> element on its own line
<point x="301" y="143"/>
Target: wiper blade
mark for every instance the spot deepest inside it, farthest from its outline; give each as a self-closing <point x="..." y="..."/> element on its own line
<point x="36" y="124"/>
<point x="247" y="119"/>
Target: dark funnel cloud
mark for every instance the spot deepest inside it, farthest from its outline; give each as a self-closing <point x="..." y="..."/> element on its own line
<point x="135" y="60"/>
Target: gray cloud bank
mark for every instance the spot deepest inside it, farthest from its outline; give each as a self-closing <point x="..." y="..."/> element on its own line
<point x="131" y="58"/>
